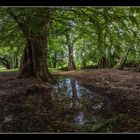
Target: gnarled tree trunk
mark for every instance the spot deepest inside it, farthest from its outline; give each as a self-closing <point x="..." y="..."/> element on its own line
<point x="34" y="59"/>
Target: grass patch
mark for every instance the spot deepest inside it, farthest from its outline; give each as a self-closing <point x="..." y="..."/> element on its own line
<point x="8" y="70"/>
<point x="54" y="70"/>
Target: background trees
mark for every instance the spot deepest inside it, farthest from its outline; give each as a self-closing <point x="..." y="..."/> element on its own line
<point x="70" y="38"/>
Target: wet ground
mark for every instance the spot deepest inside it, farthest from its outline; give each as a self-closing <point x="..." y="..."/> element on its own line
<point x="67" y="106"/>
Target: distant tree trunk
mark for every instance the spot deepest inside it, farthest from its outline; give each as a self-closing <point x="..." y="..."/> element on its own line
<point x="71" y="63"/>
<point x="122" y="60"/>
<point x="15" y="61"/>
<point x="137" y="68"/>
<point x="55" y="60"/>
<point x="34" y="59"/>
<point x="50" y="63"/>
<point x="84" y="64"/>
<point x="104" y="63"/>
<point x="54" y="64"/>
<point x="5" y="63"/>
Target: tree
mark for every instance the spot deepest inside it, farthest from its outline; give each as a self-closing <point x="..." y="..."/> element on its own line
<point x="71" y="63"/>
<point x="34" y="24"/>
<point x="69" y="37"/>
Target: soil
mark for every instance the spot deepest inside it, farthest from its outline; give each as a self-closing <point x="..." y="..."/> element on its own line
<point x="10" y="85"/>
<point x="121" y="87"/>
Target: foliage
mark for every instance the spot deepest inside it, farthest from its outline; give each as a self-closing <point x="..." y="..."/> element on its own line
<point x="94" y="33"/>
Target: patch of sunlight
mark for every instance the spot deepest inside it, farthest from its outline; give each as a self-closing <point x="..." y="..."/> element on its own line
<point x="54" y="70"/>
<point x="8" y="70"/>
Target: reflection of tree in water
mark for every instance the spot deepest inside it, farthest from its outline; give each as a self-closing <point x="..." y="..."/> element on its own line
<point x="76" y="104"/>
<point x="63" y="108"/>
<point x="74" y="90"/>
<point x="82" y="101"/>
<point x="78" y="116"/>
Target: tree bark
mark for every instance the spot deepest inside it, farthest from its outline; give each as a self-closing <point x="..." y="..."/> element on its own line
<point x="34" y="59"/>
<point x="26" y="67"/>
<point x="137" y="68"/>
<point x="122" y="60"/>
<point x="15" y="65"/>
<point x="84" y="63"/>
<point x="104" y="63"/>
<point x="54" y="60"/>
<point x="71" y="63"/>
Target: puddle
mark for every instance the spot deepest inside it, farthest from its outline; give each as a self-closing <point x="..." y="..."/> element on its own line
<point x="77" y="95"/>
<point x="68" y="107"/>
<point x="79" y="119"/>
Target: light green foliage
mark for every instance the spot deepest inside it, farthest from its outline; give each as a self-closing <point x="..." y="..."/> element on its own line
<point x="101" y="32"/>
<point x="94" y="33"/>
<point x="11" y="39"/>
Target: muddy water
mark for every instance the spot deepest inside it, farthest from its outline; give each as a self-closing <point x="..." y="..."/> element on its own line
<point x="67" y="107"/>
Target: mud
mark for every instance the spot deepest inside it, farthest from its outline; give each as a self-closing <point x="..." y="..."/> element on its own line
<point x="103" y="100"/>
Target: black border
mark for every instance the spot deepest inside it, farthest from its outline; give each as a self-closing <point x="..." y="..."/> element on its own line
<point x="72" y="3"/>
<point x="69" y="3"/>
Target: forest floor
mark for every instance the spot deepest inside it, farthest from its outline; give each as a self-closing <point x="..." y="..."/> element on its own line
<point x="121" y="87"/>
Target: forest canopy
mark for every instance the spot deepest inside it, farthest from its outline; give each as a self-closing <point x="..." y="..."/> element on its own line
<point x="68" y="38"/>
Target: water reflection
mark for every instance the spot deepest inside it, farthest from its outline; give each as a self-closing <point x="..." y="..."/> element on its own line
<point x="77" y="98"/>
<point x="62" y="109"/>
<point x="79" y="119"/>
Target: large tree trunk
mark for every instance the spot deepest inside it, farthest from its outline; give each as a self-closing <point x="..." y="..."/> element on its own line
<point x="34" y="60"/>
<point x="26" y="66"/>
